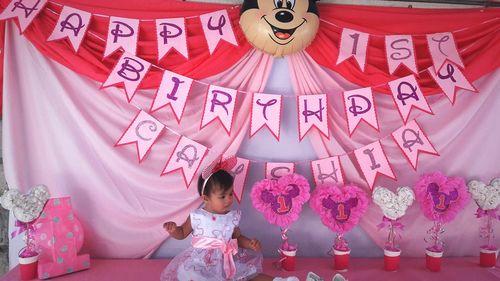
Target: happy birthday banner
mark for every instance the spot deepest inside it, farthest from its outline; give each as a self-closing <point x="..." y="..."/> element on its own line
<point x="174" y="90"/>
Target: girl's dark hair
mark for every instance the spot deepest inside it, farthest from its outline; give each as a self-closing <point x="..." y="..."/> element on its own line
<point x="221" y="178"/>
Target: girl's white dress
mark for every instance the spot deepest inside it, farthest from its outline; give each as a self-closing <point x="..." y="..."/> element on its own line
<point x="201" y="262"/>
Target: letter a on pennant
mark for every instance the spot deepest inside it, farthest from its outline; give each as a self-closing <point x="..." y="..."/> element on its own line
<point x="313" y="112"/>
<point x="143" y="131"/>
<point x="24" y="10"/>
<point x="219" y="104"/>
<point x="130" y="70"/>
<point x="122" y="32"/>
<point x="217" y="26"/>
<point x="412" y="140"/>
<point x="373" y="161"/>
<point x="407" y="94"/>
<point x="72" y="23"/>
<point x="186" y="157"/>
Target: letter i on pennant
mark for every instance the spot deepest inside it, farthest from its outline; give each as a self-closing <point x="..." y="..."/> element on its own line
<point x="373" y="161"/>
<point x="186" y="157"/>
<point x="24" y="10"/>
<point x="143" y="131"/>
<point x="174" y="91"/>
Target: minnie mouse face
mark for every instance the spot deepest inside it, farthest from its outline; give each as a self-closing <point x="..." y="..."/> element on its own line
<point x="281" y="203"/>
<point x="441" y="200"/>
<point x="279" y="27"/>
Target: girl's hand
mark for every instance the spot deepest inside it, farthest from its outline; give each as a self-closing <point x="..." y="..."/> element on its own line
<point x="255" y="245"/>
<point x="170" y="227"/>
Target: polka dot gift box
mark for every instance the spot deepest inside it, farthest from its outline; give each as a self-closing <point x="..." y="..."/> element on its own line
<point x="59" y="235"/>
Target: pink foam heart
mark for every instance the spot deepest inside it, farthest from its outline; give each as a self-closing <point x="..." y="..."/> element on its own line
<point x="280" y="201"/>
<point x="340" y="208"/>
<point x="441" y="198"/>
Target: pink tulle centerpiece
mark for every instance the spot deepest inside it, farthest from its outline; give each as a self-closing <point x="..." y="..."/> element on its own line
<point x="340" y="209"/>
<point x="441" y="198"/>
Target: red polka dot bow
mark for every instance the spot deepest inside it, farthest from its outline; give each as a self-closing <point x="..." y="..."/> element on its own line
<point x="221" y="163"/>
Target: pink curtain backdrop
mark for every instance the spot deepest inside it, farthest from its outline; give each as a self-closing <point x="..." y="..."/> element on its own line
<point x="59" y="130"/>
<point x="464" y="134"/>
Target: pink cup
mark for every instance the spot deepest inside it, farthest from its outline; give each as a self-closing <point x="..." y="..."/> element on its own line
<point x="488" y="257"/>
<point x="288" y="259"/>
<point x="433" y="260"/>
<point x="28" y="267"/>
<point x="341" y="260"/>
<point x="391" y="259"/>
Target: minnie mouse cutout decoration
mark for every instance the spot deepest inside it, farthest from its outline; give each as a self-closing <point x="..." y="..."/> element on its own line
<point x="279" y="27"/>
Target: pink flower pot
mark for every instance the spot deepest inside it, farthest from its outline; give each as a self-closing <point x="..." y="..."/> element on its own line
<point x="288" y="259"/>
<point x="341" y="260"/>
<point x="488" y="257"/>
<point x="28" y="267"/>
<point x="433" y="260"/>
<point x="391" y="259"/>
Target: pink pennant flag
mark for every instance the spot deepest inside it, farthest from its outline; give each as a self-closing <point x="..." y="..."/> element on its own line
<point x="313" y="112"/>
<point x="122" y="32"/>
<point x="400" y="51"/>
<point x="412" y="140"/>
<point x="359" y="105"/>
<point x="186" y="157"/>
<point x="277" y="170"/>
<point x="443" y="48"/>
<point x="219" y="105"/>
<point x="266" y="111"/>
<point x="327" y="170"/>
<point x="24" y="10"/>
<point x="143" y="131"/>
<point x="449" y="78"/>
<point x="407" y="94"/>
<point x="373" y="161"/>
<point x="353" y="43"/>
<point x="217" y="26"/>
<point x="240" y="173"/>
<point x="130" y="70"/>
<point x="171" y="34"/>
<point x="173" y="91"/>
<point x="72" y="23"/>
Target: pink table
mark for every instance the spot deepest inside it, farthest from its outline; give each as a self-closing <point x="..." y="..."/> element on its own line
<point x="369" y="269"/>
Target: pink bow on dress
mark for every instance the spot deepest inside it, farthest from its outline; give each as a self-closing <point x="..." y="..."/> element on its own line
<point x="228" y="249"/>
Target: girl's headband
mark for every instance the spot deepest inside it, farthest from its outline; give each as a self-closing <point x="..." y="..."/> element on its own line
<point x="220" y="163"/>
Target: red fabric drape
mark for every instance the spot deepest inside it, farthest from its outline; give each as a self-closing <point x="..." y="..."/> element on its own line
<point x="478" y="44"/>
<point x="88" y="60"/>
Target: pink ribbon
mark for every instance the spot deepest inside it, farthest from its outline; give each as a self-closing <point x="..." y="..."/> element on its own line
<point x="22" y="227"/>
<point x="228" y="249"/>
<point x="386" y="222"/>
<point x="489" y="213"/>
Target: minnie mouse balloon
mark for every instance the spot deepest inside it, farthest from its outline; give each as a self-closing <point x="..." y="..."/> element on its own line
<point x="280" y="201"/>
<point x="25" y="207"/>
<point x="487" y="197"/>
<point x="441" y="197"/>
<point x="340" y="208"/>
<point x="393" y="205"/>
<point x="279" y="27"/>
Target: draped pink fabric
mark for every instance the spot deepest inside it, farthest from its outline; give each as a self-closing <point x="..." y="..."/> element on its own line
<point x="59" y="129"/>
<point x="464" y="134"/>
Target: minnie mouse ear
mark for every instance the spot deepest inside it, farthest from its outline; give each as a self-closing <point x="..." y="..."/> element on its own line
<point x="226" y="164"/>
